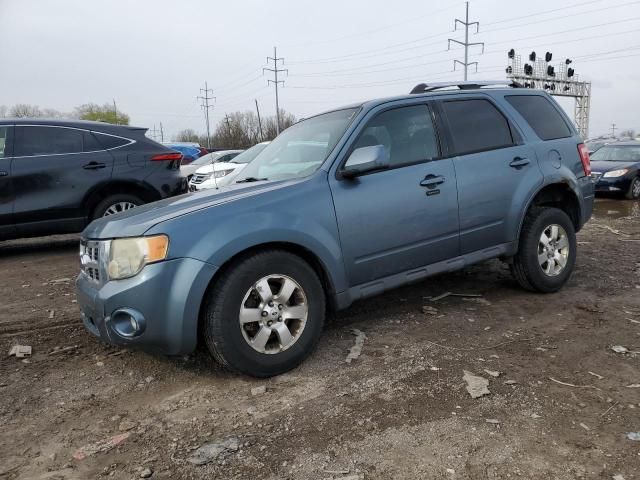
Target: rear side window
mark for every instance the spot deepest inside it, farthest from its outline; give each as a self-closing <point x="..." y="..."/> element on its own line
<point x="541" y="115"/>
<point x="109" y="141"/>
<point x="476" y="125"/>
<point x="46" y="141"/>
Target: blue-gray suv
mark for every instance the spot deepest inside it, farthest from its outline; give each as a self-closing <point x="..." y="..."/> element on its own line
<point x="339" y="207"/>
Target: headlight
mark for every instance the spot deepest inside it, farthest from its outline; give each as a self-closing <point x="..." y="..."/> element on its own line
<point x="616" y="173"/>
<point x="222" y="173"/>
<point x="128" y="256"/>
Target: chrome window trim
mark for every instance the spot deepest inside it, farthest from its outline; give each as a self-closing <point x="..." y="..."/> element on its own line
<point x="131" y="141"/>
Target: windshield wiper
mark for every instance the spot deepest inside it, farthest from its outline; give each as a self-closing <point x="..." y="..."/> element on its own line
<point x="252" y="179"/>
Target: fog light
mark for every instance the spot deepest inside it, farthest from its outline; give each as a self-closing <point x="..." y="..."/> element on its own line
<point x="127" y="322"/>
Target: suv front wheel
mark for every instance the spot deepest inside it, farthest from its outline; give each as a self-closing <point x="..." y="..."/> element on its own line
<point x="265" y="314"/>
<point x="547" y="250"/>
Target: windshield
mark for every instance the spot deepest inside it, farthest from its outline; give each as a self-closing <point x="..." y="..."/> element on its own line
<point x="300" y="149"/>
<point x="206" y="159"/>
<point x="621" y="153"/>
<point x="250" y="154"/>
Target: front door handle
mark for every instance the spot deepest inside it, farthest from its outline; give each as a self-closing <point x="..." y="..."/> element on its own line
<point x="519" y="162"/>
<point x="93" y="166"/>
<point x="431" y="181"/>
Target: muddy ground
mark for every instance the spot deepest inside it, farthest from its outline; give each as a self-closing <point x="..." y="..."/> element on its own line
<point x="399" y="411"/>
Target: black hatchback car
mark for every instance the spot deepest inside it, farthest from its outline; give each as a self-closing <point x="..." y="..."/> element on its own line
<point x="57" y="176"/>
<point x="615" y="168"/>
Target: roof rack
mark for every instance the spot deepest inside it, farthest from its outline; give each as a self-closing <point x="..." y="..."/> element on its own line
<point x="424" y="88"/>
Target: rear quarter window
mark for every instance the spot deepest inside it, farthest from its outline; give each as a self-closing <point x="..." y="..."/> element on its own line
<point x="110" y="141"/>
<point x="541" y="115"/>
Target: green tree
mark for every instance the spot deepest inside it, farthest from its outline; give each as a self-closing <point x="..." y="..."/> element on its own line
<point x="102" y="113"/>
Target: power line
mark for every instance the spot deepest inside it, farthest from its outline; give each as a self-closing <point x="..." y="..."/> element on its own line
<point x="574" y="5"/>
<point x="466" y="44"/>
<point x="205" y="97"/>
<point x="276" y="82"/>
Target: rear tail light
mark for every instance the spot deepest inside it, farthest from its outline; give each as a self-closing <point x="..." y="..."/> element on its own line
<point x="584" y="158"/>
<point x="164" y="157"/>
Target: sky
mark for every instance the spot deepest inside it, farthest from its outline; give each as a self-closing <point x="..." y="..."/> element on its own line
<point x="153" y="56"/>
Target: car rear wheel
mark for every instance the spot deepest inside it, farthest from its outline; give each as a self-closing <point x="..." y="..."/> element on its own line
<point x="265" y="314"/>
<point x="634" y="189"/>
<point x="547" y="250"/>
<point x="114" y="204"/>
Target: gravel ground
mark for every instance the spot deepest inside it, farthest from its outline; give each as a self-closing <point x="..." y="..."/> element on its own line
<point x="561" y="401"/>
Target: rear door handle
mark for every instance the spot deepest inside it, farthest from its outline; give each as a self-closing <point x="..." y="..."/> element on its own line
<point x="432" y="181"/>
<point x="93" y="166"/>
<point x="519" y="162"/>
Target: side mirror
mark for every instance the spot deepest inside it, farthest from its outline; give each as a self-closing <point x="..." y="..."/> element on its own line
<point x="365" y="159"/>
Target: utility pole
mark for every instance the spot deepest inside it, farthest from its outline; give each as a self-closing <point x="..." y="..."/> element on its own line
<point x="259" y="121"/>
<point x="207" y="94"/>
<point x="161" y="133"/>
<point x="613" y="129"/>
<point x="115" y="110"/>
<point x="466" y="43"/>
<point x="275" y="71"/>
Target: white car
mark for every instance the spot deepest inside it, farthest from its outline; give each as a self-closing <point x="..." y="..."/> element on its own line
<point x="213" y="157"/>
<point x="221" y="173"/>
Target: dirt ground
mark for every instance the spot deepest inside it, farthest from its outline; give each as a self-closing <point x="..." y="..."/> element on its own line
<point x="560" y="407"/>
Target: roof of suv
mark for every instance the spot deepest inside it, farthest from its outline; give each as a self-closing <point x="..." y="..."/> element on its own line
<point x="84" y="124"/>
<point x="446" y="88"/>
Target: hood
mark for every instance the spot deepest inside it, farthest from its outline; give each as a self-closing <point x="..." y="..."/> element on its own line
<point x="217" y="167"/>
<point x="606" y="166"/>
<point x="137" y="221"/>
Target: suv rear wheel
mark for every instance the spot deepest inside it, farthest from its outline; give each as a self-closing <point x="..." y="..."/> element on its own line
<point x="547" y="250"/>
<point x="115" y="204"/>
<point x="265" y="314"/>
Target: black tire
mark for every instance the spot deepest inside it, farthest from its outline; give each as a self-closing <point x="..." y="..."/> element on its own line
<point x="525" y="267"/>
<point x="100" y="209"/>
<point x="221" y="328"/>
<point x="634" y="189"/>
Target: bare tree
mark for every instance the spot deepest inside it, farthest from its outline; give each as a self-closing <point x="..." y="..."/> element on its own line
<point x="21" y="110"/>
<point x="3" y="111"/>
<point x="188" y="135"/>
<point x="629" y="133"/>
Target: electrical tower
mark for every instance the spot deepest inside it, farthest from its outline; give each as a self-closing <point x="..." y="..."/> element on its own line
<point x="613" y="129"/>
<point x="466" y="43"/>
<point x="205" y="97"/>
<point x="276" y="82"/>
<point x="154" y="132"/>
<point x="563" y="82"/>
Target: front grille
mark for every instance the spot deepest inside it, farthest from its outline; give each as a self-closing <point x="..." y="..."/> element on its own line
<point x="198" y="178"/>
<point x="91" y="253"/>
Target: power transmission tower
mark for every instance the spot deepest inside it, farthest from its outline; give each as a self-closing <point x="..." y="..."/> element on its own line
<point x="161" y="133"/>
<point x="259" y="121"/>
<point x="276" y="82"/>
<point x="613" y="129"/>
<point x="205" y="97"/>
<point x="154" y="132"/>
<point x="466" y="44"/>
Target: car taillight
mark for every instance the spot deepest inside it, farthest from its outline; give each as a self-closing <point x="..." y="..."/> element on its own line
<point x="584" y="158"/>
<point x="163" y="157"/>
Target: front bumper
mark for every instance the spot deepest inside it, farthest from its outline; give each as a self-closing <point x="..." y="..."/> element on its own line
<point x="612" y="185"/>
<point x="167" y="294"/>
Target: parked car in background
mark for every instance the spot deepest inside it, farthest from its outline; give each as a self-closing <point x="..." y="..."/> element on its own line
<point x="616" y="169"/>
<point x="340" y="207"/>
<point x="189" y="151"/>
<point x="223" y="172"/>
<point x="57" y="175"/>
<point x="208" y="159"/>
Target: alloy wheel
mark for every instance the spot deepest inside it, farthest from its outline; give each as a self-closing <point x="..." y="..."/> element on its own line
<point x="118" y="208"/>
<point x="553" y="250"/>
<point x="273" y="314"/>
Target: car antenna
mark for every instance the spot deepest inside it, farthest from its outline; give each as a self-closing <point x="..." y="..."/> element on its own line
<point x="213" y="172"/>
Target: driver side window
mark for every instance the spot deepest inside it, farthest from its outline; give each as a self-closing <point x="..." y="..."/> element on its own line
<point x="407" y="134"/>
